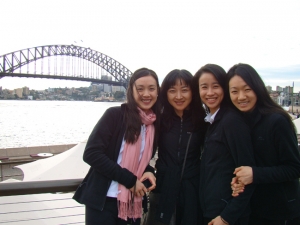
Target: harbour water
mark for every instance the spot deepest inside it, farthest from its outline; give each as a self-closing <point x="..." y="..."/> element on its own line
<point x="40" y="123"/>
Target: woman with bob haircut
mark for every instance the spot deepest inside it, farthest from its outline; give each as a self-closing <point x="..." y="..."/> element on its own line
<point x="175" y="198"/>
<point x="227" y="146"/>
<point x="276" y="199"/>
<point x="119" y="150"/>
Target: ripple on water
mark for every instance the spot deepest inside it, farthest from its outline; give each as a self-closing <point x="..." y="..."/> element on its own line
<point x="37" y="123"/>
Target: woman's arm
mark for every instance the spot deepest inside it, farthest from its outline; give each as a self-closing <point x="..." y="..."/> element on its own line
<point x="285" y="148"/>
<point x="105" y="135"/>
<point x="288" y="168"/>
<point x="238" y="138"/>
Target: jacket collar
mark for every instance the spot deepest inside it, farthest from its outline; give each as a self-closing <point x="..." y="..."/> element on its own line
<point x="186" y="113"/>
<point x="252" y="117"/>
<point x="220" y="113"/>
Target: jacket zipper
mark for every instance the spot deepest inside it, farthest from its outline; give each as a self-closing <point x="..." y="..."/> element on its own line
<point x="180" y="136"/>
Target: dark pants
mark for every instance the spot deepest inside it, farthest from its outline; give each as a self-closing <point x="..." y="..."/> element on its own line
<point x="240" y="221"/>
<point x="151" y="220"/>
<point x="262" y="221"/>
<point x="108" y="216"/>
<point x="295" y="221"/>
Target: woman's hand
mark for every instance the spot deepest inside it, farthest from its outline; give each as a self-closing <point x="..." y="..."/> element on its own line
<point x="236" y="187"/>
<point x="244" y="174"/>
<point x="139" y="189"/>
<point x="218" y="221"/>
<point x="150" y="176"/>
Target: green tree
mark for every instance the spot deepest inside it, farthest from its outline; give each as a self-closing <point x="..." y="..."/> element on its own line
<point x="119" y="95"/>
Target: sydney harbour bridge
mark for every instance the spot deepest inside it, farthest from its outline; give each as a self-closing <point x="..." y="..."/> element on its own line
<point x="68" y="62"/>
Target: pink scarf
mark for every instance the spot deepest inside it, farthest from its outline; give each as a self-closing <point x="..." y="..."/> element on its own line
<point x="130" y="161"/>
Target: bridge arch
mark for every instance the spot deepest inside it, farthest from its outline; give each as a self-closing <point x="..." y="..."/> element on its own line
<point x="11" y="62"/>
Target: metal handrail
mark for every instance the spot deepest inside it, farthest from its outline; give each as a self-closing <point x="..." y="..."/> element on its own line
<point x="38" y="187"/>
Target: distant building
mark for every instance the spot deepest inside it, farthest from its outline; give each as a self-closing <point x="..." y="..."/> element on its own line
<point x="281" y="98"/>
<point x="19" y="92"/>
<point x="25" y="91"/>
<point x="69" y="92"/>
<point x="95" y="87"/>
<point x="288" y="89"/>
<point x="275" y="96"/>
<point x="117" y="88"/>
<point x="269" y="88"/>
<point x="107" y="88"/>
<point x="278" y="88"/>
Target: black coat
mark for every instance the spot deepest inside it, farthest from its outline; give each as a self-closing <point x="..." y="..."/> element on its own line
<point x="227" y="146"/>
<point x="172" y="147"/>
<point x="101" y="153"/>
<point x="277" y="171"/>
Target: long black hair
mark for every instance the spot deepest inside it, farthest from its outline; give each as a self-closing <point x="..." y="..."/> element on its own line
<point x="264" y="103"/>
<point x="132" y="118"/>
<point x="197" y="111"/>
<point x="220" y="75"/>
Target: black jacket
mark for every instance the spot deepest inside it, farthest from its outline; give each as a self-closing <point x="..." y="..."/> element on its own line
<point x="227" y="146"/>
<point x="172" y="147"/>
<point x="277" y="170"/>
<point x="101" y="153"/>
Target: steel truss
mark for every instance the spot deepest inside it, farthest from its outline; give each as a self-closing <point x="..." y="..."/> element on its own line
<point x="11" y="62"/>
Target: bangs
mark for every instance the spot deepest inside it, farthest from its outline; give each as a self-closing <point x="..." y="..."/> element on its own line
<point x="183" y="80"/>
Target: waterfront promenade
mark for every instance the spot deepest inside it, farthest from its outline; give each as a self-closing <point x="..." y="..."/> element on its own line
<point x="48" y="204"/>
<point x="47" y="207"/>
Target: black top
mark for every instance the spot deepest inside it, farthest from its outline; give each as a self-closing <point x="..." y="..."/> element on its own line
<point x="172" y="146"/>
<point x="101" y="153"/>
<point x="173" y="142"/>
<point x="227" y="146"/>
<point x="277" y="196"/>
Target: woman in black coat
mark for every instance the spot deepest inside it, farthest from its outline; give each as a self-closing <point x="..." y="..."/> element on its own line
<point x="181" y="136"/>
<point x="227" y="145"/>
<point x="276" y="199"/>
<point x="119" y="150"/>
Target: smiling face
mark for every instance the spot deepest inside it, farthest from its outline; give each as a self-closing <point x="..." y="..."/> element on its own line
<point x="145" y="90"/>
<point x="179" y="96"/>
<point x="241" y="95"/>
<point x="211" y="93"/>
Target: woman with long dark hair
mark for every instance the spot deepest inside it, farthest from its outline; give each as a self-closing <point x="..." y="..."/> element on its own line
<point x="175" y="198"/>
<point x="119" y="150"/>
<point x="227" y="145"/>
<point x="276" y="199"/>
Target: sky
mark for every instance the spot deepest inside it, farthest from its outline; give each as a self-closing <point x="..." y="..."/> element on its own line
<point x="161" y="34"/>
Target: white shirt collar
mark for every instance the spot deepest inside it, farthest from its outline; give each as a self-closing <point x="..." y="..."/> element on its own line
<point x="211" y="117"/>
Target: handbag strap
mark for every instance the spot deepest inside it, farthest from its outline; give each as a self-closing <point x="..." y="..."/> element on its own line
<point x="186" y="151"/>
<point x="132" y="194"/>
